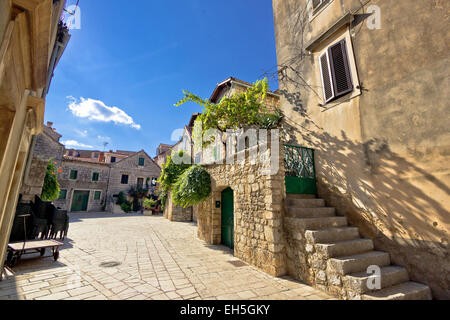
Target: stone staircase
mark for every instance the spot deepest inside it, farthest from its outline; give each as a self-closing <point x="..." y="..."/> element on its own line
<point x="324" y="251"/>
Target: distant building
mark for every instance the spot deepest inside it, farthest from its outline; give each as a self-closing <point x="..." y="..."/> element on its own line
<point x="89" y="179"/>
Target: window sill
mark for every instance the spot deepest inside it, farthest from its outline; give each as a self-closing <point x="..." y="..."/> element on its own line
<point x="346" y="98"/>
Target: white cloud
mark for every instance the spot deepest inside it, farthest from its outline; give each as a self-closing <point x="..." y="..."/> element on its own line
<point x="104" y="138"/>
<point x="82" y="134"/>
<point x="76" y="145"/>
<point x="97" y="110"/>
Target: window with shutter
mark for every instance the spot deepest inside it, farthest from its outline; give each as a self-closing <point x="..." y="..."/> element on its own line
<point x="335" y="72"/>
<point x="327" y="82"/>
<point x="340" y="70"/>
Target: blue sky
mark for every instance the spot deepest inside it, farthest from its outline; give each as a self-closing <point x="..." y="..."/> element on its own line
<point x="128" y="64"/>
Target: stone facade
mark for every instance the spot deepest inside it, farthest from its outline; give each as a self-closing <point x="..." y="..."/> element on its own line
<point x="176" y="213"/>
<point x="258" y="212"/>
<point x="130" y="167"/>
<point x="381" y="149"/>
<point x="31" y="40"/>
<point x="46" y="147"/>
<point x="84" y="182"/>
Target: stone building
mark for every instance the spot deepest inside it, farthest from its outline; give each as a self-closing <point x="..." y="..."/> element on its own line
<point x="46" y="147"/>
<point x="366" y="86"/>
<point x="244" y="211"/>
<point x="186" y="144"/>
<point x="162" y="153"/>
<point x="92" y="181"/>
<point x="88" y="179"/>
<point x="32" y="40"/>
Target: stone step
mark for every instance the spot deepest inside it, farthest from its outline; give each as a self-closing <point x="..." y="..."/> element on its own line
<point x="358" y="262"/>
<point x="390" y="276"/>
<point x="300" y="196"/>
<point x="314" y="223"/>
<point x="332" y="234"/>
<point x="344" y="248"/>
<point x="296" y="212"/>
<point x="405" y="291"/>
<point x="305" y="203"/>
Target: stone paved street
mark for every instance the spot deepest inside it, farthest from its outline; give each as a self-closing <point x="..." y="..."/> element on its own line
<point x="136" y="257"/>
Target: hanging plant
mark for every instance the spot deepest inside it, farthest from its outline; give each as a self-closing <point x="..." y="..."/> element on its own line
<point x="50" y="189"/>
<point x="192" y="187"/>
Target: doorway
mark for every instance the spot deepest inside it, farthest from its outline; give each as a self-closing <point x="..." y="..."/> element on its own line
<point x="80" y="200"/>
<point x="228" y="218"/>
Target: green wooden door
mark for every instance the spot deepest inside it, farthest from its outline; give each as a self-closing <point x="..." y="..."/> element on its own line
<point x="80" y="201"/>
<point x="300" y="170"/>
<point x="228" y="218"/>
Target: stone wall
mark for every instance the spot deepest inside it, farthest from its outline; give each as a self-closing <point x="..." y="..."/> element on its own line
<point x="173" y="212"/>
<point x="258" y="212"/>
<point x="83" y="183"/>
<point x="130" y="166"/>
<point x="46" y="147"/>
<point x="382" y="151"/>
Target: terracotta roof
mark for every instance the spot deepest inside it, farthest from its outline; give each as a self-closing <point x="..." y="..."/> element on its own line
<point x="226" y="83"/>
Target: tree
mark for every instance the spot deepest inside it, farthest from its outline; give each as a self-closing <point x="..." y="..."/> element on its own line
<point x="50" y="189"/>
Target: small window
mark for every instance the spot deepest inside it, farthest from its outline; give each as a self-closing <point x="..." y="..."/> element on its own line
<point x="141" y="161"/>
<point x="73" y="175"/>
<point x="70" y="153"/>
<point x="335" y="72"/>
<point x="97" y="195"/>
<point x="62" y="194"/>
<point x="317" y="4"/>
<point x="140" y="182"/>
<point x="124" y="179"/>
<point x="96" y="155"/>
<point x="95" y="176"/>
<point x="113" y="159"/>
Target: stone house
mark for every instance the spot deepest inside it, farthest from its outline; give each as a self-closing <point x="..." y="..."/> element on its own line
<point x="244" y="210"/>
<point x="32" y="40"/>
<point x="137" y="169"/>
<point x="46" y="147"/>
<point x="368" y="91"/>
<point x="88" y="184"/>
<point x="186" y="144"/>
<point x="162" y="152"/>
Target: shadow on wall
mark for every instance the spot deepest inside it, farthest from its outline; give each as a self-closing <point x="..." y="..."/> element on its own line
<point x="381" y="193"/>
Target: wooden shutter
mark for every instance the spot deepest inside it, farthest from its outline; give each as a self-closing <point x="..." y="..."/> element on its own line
<point x="340" y="69"/>
<point x="327" y="83"/>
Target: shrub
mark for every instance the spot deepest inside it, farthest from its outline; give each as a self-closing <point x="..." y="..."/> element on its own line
<point x="192" y="187"/>
<point x="149" y="203"/>
<point x="121" y="198"/>
<point x="50" y="189"/>
<point x="126" y="206"/>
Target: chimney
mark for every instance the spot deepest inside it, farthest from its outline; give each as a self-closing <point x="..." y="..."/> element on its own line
<point x="49" y="124"/>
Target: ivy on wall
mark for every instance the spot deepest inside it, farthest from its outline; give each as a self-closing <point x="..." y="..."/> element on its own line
<point x="240" y="110"/>
<point x="188" y="184"/>
<point x="192" y="187"/>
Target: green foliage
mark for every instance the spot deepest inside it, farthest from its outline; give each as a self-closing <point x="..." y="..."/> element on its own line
<point x="170" y="172"/>
<point x="50" y="189"/>
<point x="241" y="110"/>
<point x="149" y="203"/>
<point x="192" y="187"/>
<point x="126" y="206"/>
<point x="121" y="198"/>
<point x="137" y="191"/>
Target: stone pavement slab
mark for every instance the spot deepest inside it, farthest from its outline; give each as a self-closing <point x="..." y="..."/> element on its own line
<point x="135" y="257"/>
